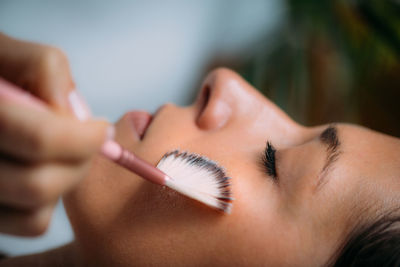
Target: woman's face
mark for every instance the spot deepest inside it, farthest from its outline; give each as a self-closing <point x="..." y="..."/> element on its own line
<point x="328" y="181"/>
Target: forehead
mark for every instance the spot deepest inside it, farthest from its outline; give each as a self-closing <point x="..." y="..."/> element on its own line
<point x="361" y="183"/>
<point x="369" y="165"/>
<point x="369" y="150"/>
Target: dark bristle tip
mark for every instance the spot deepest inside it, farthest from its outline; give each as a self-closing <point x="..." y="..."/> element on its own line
<point x="226" y="198"/>
<point x="222" y="180"/>
<point x="226" y="207"/>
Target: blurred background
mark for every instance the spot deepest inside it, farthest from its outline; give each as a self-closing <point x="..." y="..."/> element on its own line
<point x="332" y="61"/>
<point x="321" y="61"/>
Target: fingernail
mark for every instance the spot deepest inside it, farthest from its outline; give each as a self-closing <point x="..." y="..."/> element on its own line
<point x="78" y="106"/>
<point x="111" y="150"/>
<point x="110" y="133"/>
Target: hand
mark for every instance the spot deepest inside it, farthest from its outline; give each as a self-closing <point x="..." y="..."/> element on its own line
<point x="44" y="149"/>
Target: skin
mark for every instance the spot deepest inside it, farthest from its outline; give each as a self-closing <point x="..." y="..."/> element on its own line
<point x="119" y="219"/>
<point x="46" y="151"/>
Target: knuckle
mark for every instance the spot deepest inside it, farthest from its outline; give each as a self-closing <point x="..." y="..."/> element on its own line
<point x="7" y="112"/>
<point x="37" y="189"/>
<point x="52" y="57"/>
<point x="36" y="223"/>
<point x="40" y="140"/>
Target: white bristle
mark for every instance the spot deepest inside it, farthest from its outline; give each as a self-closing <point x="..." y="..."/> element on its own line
<point x="197" y="177"/>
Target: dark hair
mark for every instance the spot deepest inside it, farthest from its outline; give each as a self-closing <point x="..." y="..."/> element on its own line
<point x="375" y="244"/>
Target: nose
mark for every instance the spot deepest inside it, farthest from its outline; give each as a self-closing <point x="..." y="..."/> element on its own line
<point x="217" y="100"/>
<point x="227" y="100"/>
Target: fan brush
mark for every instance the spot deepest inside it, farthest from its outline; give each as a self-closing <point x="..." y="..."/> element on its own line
<point x="190" y="174"/>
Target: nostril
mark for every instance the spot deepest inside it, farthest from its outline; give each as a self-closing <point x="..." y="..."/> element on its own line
<point x="206" y="94"/>
<point x="204" y="99"/>
<point x="214" y="110"/>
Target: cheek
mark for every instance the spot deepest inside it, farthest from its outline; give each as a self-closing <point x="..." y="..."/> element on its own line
<point x="127" y="218"/>
<point x="119" y="216"/>
<point x="98" y="199"/>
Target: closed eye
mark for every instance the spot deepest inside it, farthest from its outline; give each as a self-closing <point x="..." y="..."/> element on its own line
<point x="268" y="160"/>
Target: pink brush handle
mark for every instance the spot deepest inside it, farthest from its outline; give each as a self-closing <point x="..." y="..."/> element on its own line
<point x="128" y="160"/>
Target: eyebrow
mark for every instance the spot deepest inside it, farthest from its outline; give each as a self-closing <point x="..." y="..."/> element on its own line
<point x="329" y="137"/>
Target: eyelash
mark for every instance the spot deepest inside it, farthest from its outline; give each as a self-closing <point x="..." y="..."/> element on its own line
<point x="268" y="160"/>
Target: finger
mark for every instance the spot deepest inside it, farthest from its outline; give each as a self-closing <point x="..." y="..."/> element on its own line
<point x="29" y="187"/>
<point x="25" y="223"/>
<point x="42" y="70"/>
<point x="35" y="135"/>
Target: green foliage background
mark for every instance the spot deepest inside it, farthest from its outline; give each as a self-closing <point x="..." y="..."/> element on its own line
<point x="333" y="61"/>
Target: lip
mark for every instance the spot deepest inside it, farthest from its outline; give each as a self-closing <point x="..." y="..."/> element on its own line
<point x="140" y="121"/>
